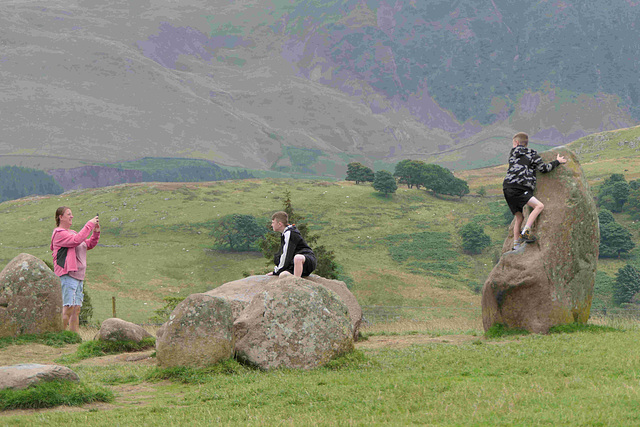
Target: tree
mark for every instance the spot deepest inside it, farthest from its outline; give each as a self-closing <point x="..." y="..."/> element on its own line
<point x="384" y="182"/>
<point x="613" y="193"/>
<point x="327" y="266"/>
<point x="605" y="217"/>
<point x="408" y="172"/>
<point x="614" y="240"/>
<point x="239" y="232"/>
<point x="435" y="178"/>
<point x="359" y="173"/>
<point x="17" y="182"/>
<point x="482" y="191"/>
<point x="633" y="203"/>
<point x="474" y="239"/>
<point x="458" y="187"/>
<point x="627" y="284"/>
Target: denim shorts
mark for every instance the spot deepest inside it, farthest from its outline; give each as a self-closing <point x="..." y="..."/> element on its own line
<point x="72" y="291"/>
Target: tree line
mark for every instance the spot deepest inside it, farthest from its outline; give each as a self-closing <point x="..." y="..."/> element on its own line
<point x="619" y="196"/>
<point x="413" y="173"/>
<point x="17" y="182"/>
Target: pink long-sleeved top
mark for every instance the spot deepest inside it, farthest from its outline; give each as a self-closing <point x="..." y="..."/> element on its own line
<point x="70" y="250"/>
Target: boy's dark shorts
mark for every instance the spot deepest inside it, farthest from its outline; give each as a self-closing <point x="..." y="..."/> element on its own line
<point x="309" y="265"/>
<point x="517" y="198"/>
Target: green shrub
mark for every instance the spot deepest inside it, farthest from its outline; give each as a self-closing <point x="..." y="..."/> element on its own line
<point x="53" y="393"/>
<point x="474" y="239"/>
<point x="162" y="314"/>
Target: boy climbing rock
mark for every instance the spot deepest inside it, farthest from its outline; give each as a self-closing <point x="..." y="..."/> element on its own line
<point x="295" y="256"/>
<point x="520" y="183"/>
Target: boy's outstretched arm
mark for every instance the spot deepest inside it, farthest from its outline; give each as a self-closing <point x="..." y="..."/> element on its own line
<point x="543" y="167"/>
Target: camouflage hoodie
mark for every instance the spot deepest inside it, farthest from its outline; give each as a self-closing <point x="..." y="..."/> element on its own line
<point x="523" y="164"/>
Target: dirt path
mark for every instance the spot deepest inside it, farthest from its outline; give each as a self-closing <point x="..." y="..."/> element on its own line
<point x="380" y="341"/>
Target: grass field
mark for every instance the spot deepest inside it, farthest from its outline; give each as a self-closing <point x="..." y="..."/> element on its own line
<point x="583" y="378"/>
<point x="600" y="155"/>
<point x="398" y="250"/>
<point x="424" y="359"/>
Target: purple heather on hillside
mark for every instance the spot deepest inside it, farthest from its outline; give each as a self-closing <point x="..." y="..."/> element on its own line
<point x="529" y="103"/>
<point x="171" y="42"/>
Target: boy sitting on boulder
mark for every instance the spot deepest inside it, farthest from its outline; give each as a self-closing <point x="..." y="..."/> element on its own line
<point x="295" y="256"/>
<point x="520" y="182"/>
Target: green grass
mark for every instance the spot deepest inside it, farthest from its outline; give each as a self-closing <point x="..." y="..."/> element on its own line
<point x="53" y="393"/>
<point x="499" y="331"/>
<point x="189" y="375"/>
<point x="98" y="348"/>
<point x="52" y="339"/>
<point x="581" y="378"/>
<point x="155" y="239"/>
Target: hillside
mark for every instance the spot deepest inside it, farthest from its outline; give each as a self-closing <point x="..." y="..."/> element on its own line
<point x="600" y="154"/>
<point x="305" y="87"/>
<point x="398" y="251"/>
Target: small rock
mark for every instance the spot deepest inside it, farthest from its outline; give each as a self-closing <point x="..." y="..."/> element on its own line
<point x="19" y="377"/>
<point x="115" y="329"/>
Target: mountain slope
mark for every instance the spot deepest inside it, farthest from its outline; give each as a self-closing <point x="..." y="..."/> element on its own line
<point x="250" y="84"/>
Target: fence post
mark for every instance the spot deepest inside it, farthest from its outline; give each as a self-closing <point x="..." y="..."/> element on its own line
<point x="113" y="305"/>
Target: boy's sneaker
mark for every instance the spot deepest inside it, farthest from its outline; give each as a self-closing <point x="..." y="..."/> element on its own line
<point x="527" y="237"/>
<point x="517" y="244"/>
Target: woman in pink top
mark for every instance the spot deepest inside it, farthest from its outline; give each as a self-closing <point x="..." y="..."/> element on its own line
<point x="70" y="262"/>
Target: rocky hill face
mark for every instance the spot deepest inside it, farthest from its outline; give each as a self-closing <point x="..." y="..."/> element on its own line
<point x="308" y="86"/>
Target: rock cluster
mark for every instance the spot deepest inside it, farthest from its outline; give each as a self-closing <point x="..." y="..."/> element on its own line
<point x="268" y="322"/>
<point x="30" y="298"/>
<point x="549" y="282"/>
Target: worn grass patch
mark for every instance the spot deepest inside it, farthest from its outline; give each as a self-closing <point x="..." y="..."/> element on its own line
<point x="53" y="393"/>
<point x="52" y="339"/>
<point x="98" y="348"/>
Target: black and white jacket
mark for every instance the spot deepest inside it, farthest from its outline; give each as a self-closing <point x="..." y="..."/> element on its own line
<point x="523" y="164"/>
<point x="291" y="244"/>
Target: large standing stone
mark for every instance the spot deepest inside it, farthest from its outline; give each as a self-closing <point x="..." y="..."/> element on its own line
<point x="197" y="334"/>
<point x="30" y="298"/>
<point x="340" y="288"/>
<point x="19" y="377"/>
<point x="115" y="329"/>
<point x="241" y="292"/>
<point x="549" y="282"/>
<point x="293" y="323"/>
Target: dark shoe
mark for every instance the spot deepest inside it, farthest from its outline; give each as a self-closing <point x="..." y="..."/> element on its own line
<point x="527" y="237"/>
<point x="517" y="244"/>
